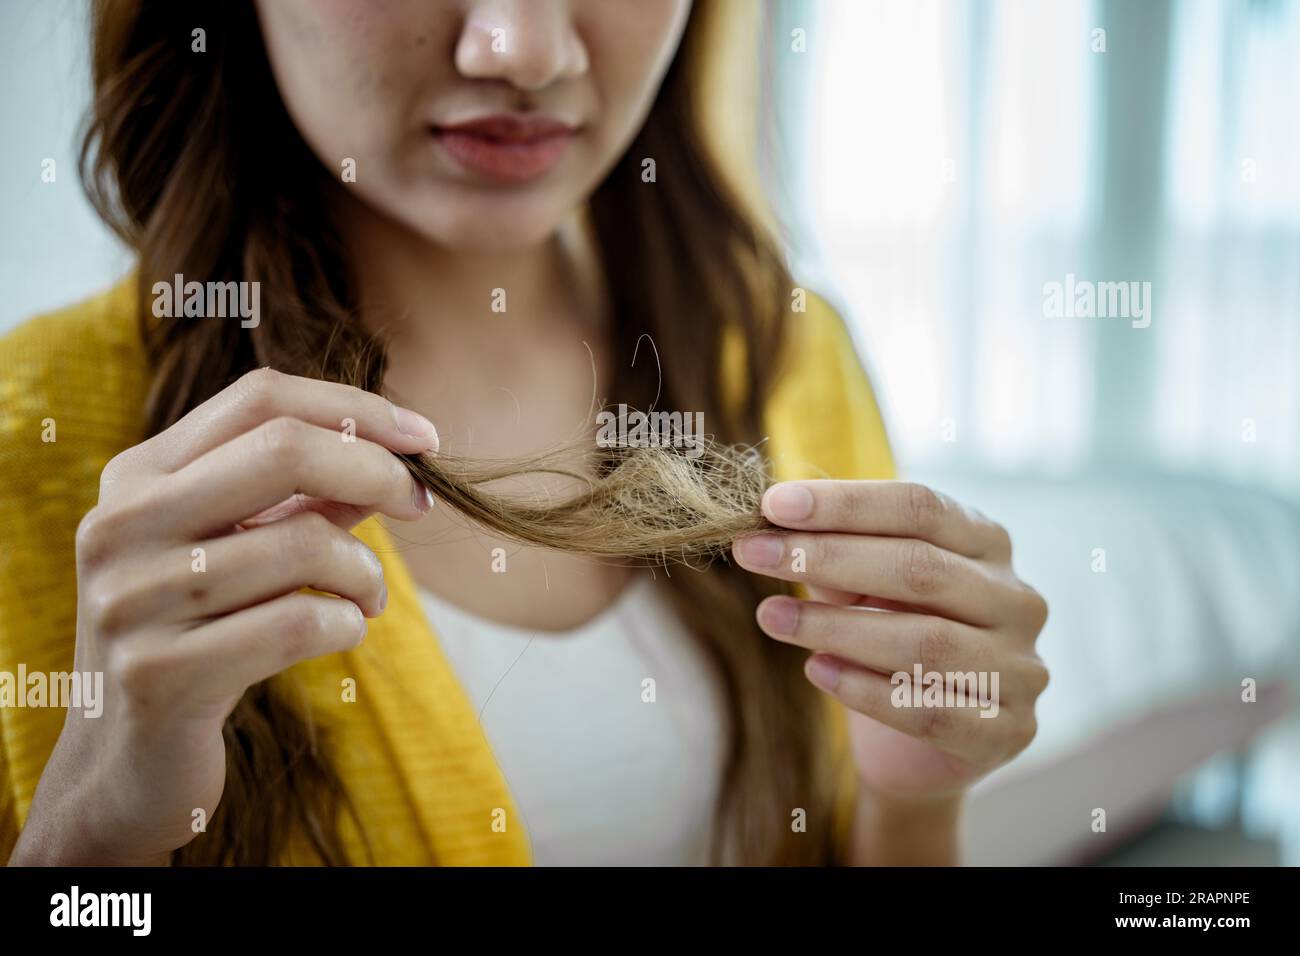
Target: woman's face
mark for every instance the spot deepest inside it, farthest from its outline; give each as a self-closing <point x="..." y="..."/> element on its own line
<point x="478" y="124"/>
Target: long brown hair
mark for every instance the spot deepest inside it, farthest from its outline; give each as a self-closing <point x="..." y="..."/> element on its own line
<point x="195" y="163"/>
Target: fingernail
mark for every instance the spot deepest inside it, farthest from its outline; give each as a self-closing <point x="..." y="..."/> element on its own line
<point x="780" y="615"/>
<point x="423" y="498"/>
<point x="823" y="672"/>
<point x="760" y="550"/>
<point x="383" y="598"/>
<point x="416" y="426"/>
<point x="788" y="502"/>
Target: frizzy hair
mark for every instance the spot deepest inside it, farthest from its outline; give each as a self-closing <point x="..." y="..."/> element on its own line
<point x="194" y="162"/>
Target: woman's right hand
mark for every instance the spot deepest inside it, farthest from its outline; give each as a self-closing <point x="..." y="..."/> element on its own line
<point x="266" y="479"/>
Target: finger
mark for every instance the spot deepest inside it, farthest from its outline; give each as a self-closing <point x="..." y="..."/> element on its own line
<point x="893" y="508"/>
<point x="346" y="517"/>
<point x="895" y="569"/>
<point x="306" y="550"/>
<point x="852" y="599"/>
<point x="284" y="457"/>
<point x="880" y="640"/>
<point x="265" y="394"/>
<point x="881" y="604"/>
<point x="954" y="726"/>
<point x="234" y="652"/>
<point x="228" y="574"/>
<point x="832" y="595"/>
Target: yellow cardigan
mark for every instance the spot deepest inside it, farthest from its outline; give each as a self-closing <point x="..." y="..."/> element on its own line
<point x="410" y="748"/>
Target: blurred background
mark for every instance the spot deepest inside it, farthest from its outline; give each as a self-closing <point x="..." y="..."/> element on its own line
<point x="936" y="164"/>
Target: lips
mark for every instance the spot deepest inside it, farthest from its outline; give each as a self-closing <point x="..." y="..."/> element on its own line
<point x="506" y="149"/>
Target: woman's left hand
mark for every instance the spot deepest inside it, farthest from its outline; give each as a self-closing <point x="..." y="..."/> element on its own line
<point x="899" y="578"/>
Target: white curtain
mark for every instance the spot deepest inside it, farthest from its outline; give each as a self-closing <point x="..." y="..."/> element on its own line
<point x="945" y="159"/>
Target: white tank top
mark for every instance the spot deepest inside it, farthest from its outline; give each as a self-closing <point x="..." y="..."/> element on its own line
<point x="606" y="768"/>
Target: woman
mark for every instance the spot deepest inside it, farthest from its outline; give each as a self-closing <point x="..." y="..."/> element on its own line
<point x="509" y="198"/>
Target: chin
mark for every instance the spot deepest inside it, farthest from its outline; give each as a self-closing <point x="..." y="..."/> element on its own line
<point x="492" y="228"/>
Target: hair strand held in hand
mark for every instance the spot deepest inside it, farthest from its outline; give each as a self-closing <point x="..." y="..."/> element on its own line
<point x="646" y="504"/>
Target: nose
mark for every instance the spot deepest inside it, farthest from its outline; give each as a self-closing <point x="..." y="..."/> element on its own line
<point x="527" y="43"/>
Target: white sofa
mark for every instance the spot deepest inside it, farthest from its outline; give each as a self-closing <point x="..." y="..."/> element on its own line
<point x="1201" y="590"/>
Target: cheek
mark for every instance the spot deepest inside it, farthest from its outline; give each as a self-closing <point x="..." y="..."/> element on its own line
<point x="631" y="49"/>
<point x="347" y="70"/>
